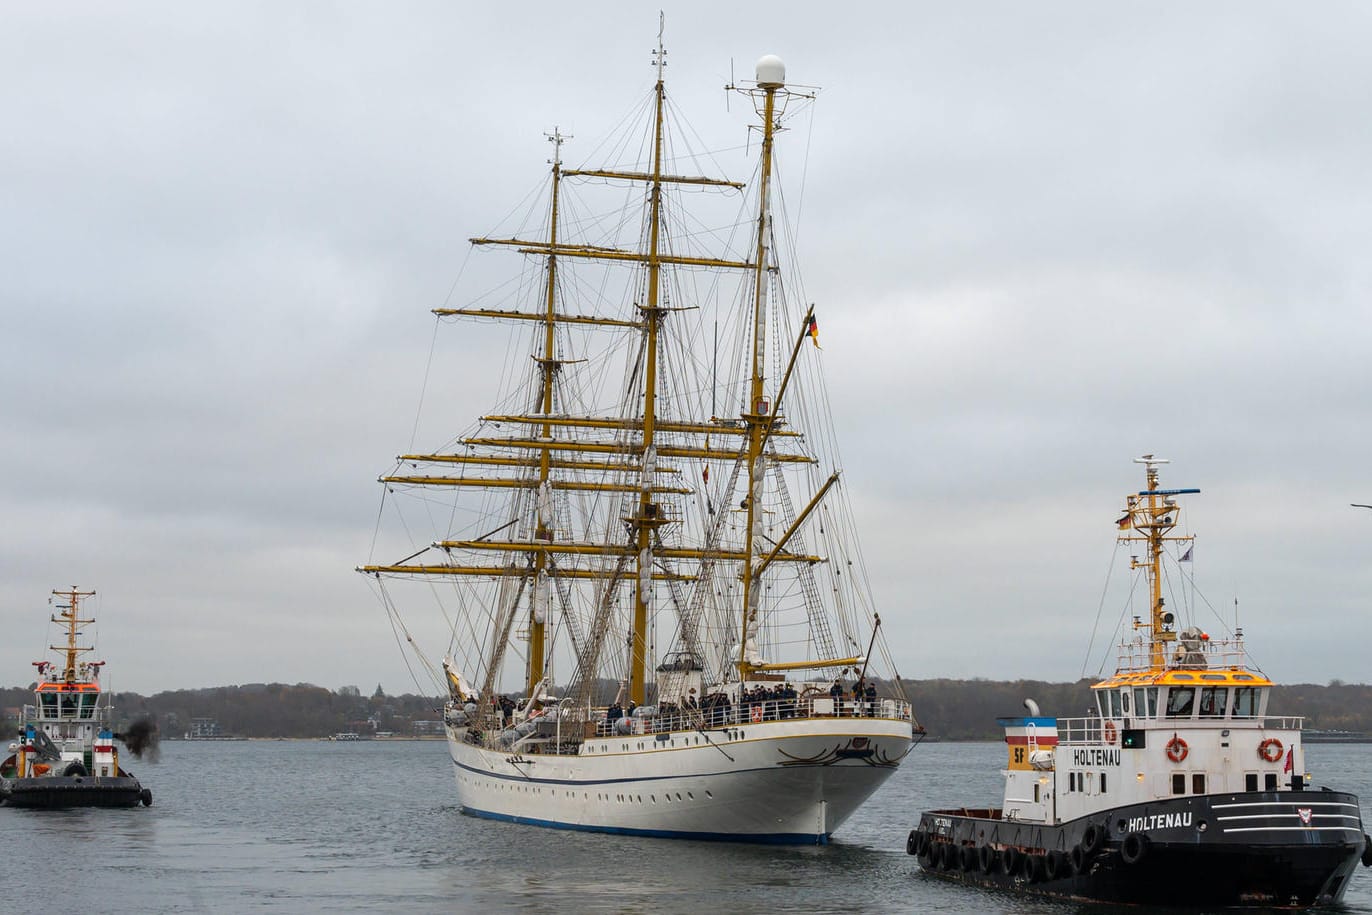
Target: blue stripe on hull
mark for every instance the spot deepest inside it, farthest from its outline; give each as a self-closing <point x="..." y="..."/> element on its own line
<point x="779" y="838"/>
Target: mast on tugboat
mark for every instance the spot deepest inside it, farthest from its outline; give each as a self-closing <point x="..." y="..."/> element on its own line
<point x="70" y="618"/>
<point x="1154" y="512"/>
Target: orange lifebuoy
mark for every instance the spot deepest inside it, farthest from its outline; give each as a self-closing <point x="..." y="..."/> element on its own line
<point x="1270" y="749"/>
<point x="1110" y="732"/>
<point x="1177" y="749"/>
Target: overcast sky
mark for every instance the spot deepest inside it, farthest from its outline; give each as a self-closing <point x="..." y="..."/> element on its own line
<point x="1043" y="239"/>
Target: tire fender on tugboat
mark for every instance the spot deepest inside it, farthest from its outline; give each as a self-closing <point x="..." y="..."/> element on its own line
<point x="1031" y="868"/>
<point x="986" y="858"/>
<point x="1055" y="863"/>
<point x="1366" y="850"/>
<point x="1009" y="858"/>
<point x="1134" y="848"/>
<point x="1092" y="837"/>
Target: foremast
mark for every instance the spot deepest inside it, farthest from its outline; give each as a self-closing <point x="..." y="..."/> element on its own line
<point x="1150" y="516"/>
<point x="761" y="414"/>
<point x="757" y="414"/>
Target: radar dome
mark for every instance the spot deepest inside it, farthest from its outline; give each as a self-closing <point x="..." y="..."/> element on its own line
<point x="771" y="72"/>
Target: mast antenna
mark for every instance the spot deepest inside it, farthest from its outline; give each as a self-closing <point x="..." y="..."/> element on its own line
<point x="557" y="138"/>
<point x="660" y="52"/>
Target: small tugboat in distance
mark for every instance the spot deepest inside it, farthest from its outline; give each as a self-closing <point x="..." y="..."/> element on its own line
<point x="66" y="755"/>
<point x="1179" y="790"/>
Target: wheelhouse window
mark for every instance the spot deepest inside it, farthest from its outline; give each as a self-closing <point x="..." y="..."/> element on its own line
<point x="1108" y="701"/>
<point x="1124" y="700"/>
<point x="1180" y="700"/>
<point x="1213" y="700"/>
<point x="88" y="703"/>
<point x="49" y="703"/>
<point x="1146" y="701"/>
<point x="1245" y="702"/>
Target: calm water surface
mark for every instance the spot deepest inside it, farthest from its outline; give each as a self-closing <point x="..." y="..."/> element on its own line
<point x="290" y="826"/>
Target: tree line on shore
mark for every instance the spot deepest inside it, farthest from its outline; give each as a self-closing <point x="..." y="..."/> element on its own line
<point x="948" y="709"/>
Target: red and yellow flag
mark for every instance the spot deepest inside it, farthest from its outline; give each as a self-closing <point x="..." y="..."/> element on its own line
<point x="814" y="332"/>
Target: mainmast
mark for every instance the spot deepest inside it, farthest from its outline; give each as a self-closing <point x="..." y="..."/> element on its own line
<point x="1153" y="513"/>
<point x="70" y="618"/>
<point x="647" y="519"/>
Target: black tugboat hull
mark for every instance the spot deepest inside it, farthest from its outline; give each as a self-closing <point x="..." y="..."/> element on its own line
<point x="1290" y="848"/>
<point x="57" y="792"/>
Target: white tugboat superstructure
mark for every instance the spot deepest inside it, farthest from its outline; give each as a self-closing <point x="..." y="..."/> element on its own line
<point x="1179" y="789"/>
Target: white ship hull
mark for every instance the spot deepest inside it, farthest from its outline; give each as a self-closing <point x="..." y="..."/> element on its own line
<point x="776" y="781"/>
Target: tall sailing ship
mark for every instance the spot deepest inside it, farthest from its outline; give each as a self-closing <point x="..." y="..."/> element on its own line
<point x="659" y="620"/>
<point x="1180" y="788"/>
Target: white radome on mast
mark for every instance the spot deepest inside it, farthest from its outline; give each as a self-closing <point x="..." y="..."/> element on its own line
<point x="771" y="72"/>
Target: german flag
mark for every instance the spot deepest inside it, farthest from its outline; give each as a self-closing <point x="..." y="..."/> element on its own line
<point x="814" y="332"/>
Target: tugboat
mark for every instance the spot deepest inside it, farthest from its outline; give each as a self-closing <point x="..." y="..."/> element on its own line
<point x="1179" y="788"/>
<point x="67" y="756"/>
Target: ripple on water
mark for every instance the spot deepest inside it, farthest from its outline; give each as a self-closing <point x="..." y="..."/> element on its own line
<point x="291" y="826"/>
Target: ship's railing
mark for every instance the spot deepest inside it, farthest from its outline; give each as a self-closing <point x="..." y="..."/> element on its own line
<point x="497" y="729"/>
<point x="1185" y="654"/>
<point x="1090" y="731"/>
<point x="664" y="719"/>
<point x="66" y="707"/>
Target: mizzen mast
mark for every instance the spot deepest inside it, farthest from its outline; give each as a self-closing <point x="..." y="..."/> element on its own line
<point x="548" y="366"/>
